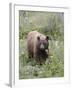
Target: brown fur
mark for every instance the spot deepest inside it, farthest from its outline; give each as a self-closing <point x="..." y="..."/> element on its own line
<point x="32" y="45"/>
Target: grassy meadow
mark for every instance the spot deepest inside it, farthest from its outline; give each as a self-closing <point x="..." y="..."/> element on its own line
<point x="48" y="23"/>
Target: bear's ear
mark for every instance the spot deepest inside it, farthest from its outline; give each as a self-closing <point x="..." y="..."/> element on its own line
<point x="47" y="37"/>
<point x="38" y="38"/>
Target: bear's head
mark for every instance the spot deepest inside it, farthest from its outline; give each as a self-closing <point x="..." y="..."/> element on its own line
<point x="43" y="43"/>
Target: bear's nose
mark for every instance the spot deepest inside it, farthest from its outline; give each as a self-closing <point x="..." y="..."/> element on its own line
<point x="42" y="47"/>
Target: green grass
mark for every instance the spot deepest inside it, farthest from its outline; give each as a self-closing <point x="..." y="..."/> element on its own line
<point x="30" y="69"/>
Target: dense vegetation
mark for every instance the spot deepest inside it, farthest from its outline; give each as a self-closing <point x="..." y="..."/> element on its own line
<point x="48" y="23"/>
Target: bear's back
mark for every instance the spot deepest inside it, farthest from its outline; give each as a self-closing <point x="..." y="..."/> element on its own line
<point x="35" y="34"/>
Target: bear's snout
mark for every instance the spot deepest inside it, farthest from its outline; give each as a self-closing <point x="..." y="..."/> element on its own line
<point x="42" y="47"/>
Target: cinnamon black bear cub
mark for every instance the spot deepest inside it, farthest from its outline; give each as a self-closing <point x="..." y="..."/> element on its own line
<point x="37" y="45"/>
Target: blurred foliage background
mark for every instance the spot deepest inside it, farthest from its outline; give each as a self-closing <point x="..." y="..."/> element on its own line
<point x="48" y="23"/>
